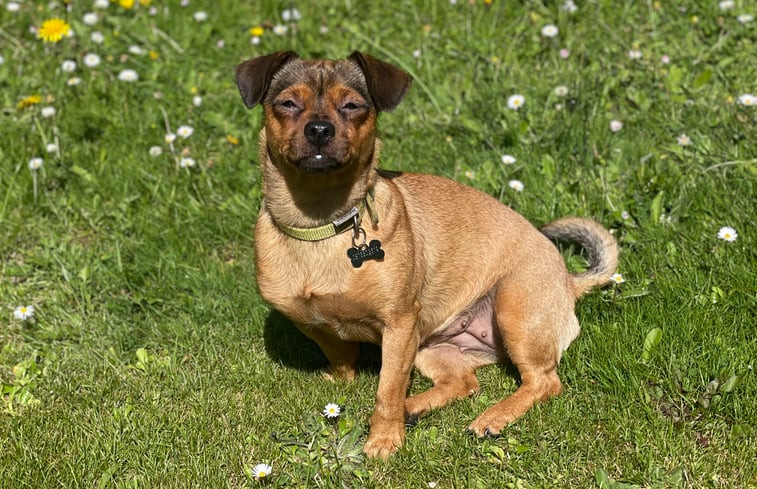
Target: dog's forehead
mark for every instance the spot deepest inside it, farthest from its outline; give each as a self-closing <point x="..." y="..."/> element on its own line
<point x="319" y="75"/>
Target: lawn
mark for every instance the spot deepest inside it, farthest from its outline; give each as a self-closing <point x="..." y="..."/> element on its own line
<point x="129" y="188"/>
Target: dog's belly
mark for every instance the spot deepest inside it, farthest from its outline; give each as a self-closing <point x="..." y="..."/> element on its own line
<point x="474" y="330"/>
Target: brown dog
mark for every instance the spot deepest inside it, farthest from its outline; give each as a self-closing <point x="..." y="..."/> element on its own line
<point x="442" y="276"/>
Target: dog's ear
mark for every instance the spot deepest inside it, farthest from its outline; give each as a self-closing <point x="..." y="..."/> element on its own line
<point x="386" y="83"/>
<point x="254" y="75"/>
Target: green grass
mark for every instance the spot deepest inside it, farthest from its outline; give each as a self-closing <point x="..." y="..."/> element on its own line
<point x="153" y="362"/>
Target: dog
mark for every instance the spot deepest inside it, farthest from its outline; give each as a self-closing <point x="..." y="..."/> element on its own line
<point x="442" y="276"/>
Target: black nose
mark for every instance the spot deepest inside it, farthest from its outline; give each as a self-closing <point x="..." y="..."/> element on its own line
<point x="319" y="132"/>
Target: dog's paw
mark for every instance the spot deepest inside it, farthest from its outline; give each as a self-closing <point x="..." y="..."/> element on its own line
<point x="340" y="373"/>
<point x="487" y="426"/>
<point x="384" y="443"/>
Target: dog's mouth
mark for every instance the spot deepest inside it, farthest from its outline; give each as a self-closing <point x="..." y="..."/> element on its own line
<point x="318" y="163"/>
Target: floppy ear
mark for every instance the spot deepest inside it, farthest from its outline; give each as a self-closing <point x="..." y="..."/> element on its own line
<point x="386" y="83"/>
<point x="254" y="75"/>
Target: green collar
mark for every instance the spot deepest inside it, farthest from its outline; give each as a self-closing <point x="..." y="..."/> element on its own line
<point x="351" y="220"/>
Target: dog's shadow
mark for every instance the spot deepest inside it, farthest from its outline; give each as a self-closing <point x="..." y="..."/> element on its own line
<point x="285" y="344"/>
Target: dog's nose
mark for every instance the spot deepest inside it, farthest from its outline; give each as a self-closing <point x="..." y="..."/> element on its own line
<point x="319" y="132"/>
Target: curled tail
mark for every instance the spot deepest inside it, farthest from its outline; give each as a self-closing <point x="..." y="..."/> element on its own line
<point x="600" y="246"/>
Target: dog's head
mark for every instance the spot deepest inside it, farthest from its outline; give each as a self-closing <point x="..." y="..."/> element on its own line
<point x="320" y="115"/>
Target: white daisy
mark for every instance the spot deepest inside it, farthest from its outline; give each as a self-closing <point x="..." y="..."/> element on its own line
<point x="13" y="6"/>
<point x="48" y="111"/>
<point x="569" y="6"/>
<point x="616" y="125"/>
<point x="332" y="410"/>
<point x="745" y="18"/>
<point x="516" y="185"/>
<point x="128" y="75"/>
<point x="561" y="90"/>
<point x="726" y="4"/>
<point x="683" y="140"/>
<point x="23" y="313"/>
<point x="549" y="30"/>
<point x="197" y="101"/>
<point x="156" y="151"/>
<point x="184" y="131"/>
<point x="187" y="163"/>
<point x="254" y="40"/>
<point x="747" y="100"/>
<point x="91" y="60"/>
<point x="617" y="278"/>
<point x="261" y="471"/>
<point x="200" y="16"/>
<point x="35" y="163"/>
<point x="727" y="233"/>
<point x="68" y="66"/>
<point x="2" y="60"/>
<point x="73" y="81"/>
<point x="470" y="174"/>
<point x="137" y="50"/>
<point x="291" y="14"/>
<point x="97" y="37"/>
<point x="516" y="101"/>
<point x="51" y="148"/>
<point x="625" y="215"/>
<point x="280" y="29"/>
<point x="634" y="54"/>
<point x="90" y="18"/>
<point x="170" y="138"/>
<point x="101" y="3"/>
<point x="508" y="159"/>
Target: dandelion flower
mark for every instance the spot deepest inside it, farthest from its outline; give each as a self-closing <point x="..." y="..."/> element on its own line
<point x="187" y="163"/>
<point x="200" y="16"/>
<point x="747" y="100"/>
<point x="634" y="54"/>
<point x="332" y="410"/>
<point x="683" y="140"/>
<point x="232" y="139"/>
<point x="35" y="163"/>
<point x="127" y="4"/>
<point x="23" y="313"/>
<point x="280" y="29"/>
<point x="516" y="101"/>
<point x="290" y="14"/>
<point x="516" y="185"/>
<point x="616" y="125"/>
<point x="184" y="131"/>
<point x="92" y="60"/>
<point x="90" y="18"/>
<point x="549" y="30"/>
<point x="727" y="233"/>
<point x="261" y="471"/>
<point x="156" y="151"/>
<point x="28" y="101"/>
<point x="68" y="66"/>
<point x="508" y="159"/>
<point x="745" y="18"/>
<point x="47" y="111"/>
<point x="256" y="31"/>
<point x="128" y="76"/>
<point x="617" y="278"/>
<point x="561" y="90"/>
<point x="53" y="30"/>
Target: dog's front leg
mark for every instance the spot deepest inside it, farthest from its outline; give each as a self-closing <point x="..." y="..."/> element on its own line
<point x="399" y="345"/>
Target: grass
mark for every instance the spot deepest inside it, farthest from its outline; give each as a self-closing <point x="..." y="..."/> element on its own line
<point x="153" y="362"/>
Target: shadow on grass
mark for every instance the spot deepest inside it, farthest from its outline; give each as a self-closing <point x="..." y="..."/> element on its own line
<point x="285" y="344"/>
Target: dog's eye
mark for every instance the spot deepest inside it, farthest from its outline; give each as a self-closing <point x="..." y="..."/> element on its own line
<point x="288" y="104"/>
<point x="350" y="106"/>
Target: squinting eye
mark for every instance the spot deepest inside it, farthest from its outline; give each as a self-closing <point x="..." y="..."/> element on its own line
<point x="350" y="106"/>
<point x="288" y="104"/>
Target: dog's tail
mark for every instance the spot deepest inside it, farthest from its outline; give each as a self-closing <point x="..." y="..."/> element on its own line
<point x="600" y="246"/>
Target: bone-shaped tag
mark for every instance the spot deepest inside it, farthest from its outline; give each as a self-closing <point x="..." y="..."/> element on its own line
<point x="372" y="251"/>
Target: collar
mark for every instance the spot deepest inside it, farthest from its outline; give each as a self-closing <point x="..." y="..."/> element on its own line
<point x="351" y="220"/>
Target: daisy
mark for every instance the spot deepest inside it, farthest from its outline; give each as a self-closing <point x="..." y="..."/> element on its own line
<point x="261" y="471"/>
<point x="13" y="7"/>
<point x="35" y="163"/>
<point x="184" y="131"/>
<point x="170" y="138"/>
<point x="51" y="148"/>
<point x="634" y="54"/>
<point x="90" y="18"/>
<point x="187" y="163"/>
<point x="625" y="215"/>
<point x="745" y="18"/>
<point x="97" y="37"/>
<point x="101" y="3"/>
<point x="516" y="101"/>
<point x="290" y="14"/>
<point x="73" y="81"/>
<point x="197" y="101"/>
<point x="747" y="100"/>
<point x="561" y="90"/>
<point x="516" y="185"/>
<point x="470" y="174"/>
<point x="53" y="30"/>
<point x="2" y="60"/>
<point x="280" y="29"/>
<point x="137" y="50"/>
<point x="200" y="16"/>
<point x="726" y="4"/>
<point x="91" y="60"/>
<point x="665" y="59"/>
<point x="549" y="30"/>
<point x="683" y="140"/>
<point x="564" y="53"/>
<point x="156" y="151"/>
<point x="68" y="66"/>
<point x="332" y="410"/>
<point x="128" y="76"/>
<point x="616" y="125"/>
<point x="508" y="159"/>
<point x="617" y="278"/>
<point x="727" y="233"/>
<point x="47" y="111"/>
<point x="569" y="6"/>
<point x="254" y="40"/>
<point x="24" y="313"/>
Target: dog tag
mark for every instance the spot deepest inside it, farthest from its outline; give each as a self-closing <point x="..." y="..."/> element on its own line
<point x="371" y="251"/>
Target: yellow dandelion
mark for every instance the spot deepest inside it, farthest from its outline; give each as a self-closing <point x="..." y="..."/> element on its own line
<point x="53" y="30"/>
<point x="28" y="101"/>
<point x="231" y="139"/>
<point x="256" y="31"/>
<point x="153" y="55"/>
<point x="126" y="3"/>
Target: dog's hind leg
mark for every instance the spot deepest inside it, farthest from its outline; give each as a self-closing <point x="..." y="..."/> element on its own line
<point x="453" y="374"/>
<point x="536" y="328"/>
<point x="341" y="354"/>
